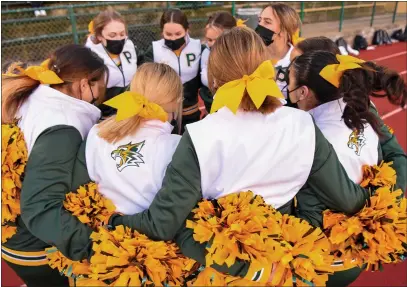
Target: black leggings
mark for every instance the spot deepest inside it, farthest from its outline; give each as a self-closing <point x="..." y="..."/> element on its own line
<point x="39" y="276"/>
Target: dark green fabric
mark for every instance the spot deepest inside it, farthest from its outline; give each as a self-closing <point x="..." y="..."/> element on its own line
<point x="206" y="97"/>
<point x="323" y="191"/>
<point x="39" y="276"/>
<point x="343" y="278"/>
<point x="392" y="151"/>
<point x="48" y="178"/>
<point x="180" y="192"/>
<point x="148" y="56"/>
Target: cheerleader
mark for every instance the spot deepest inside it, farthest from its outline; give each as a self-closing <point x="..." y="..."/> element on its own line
<point x="128" y="153"/>
<point x="340" y="104"/>
<point x="390" y="148"/>
<point x="216" y="25"/>
<point x="252" y="143"/>
<point x="182" y="53"/>
<point x="53" y="106"/>
<point x="109" y="39"/>
<point x="278" y="27"/>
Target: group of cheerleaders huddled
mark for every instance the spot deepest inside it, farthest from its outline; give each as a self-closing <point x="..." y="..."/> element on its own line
<point x="111" y="178"/>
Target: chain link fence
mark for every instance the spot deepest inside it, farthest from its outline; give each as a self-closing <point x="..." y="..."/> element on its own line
<point x="31" y="39"/>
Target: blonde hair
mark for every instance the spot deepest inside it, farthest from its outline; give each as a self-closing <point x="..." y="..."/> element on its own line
<point x="236" y="53"/>
<point x="290" y="21"/>
<point x="104" y="18"/>
<point x="160" y="84"/>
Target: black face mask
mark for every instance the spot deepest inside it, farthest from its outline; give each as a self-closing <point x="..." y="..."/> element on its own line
<point x="289" y="103"/>
<point x="93" y="101"/>
<point x="115" y="47"/>
<point x="265" y="34"/>
<point x="175" y="44"/>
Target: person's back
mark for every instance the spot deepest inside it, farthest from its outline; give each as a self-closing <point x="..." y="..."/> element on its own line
<point x="130" y="171"/>
<point x="354" y="149"/>
<point x="127" y="155"/>
<point x="254" y="151"/>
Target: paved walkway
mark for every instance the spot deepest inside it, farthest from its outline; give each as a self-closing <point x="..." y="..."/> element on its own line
<point x="352" y="26"/>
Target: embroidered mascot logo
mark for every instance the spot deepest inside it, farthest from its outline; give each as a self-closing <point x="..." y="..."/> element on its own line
<point x="128" y="155"/>
<point x="356" y="141"/>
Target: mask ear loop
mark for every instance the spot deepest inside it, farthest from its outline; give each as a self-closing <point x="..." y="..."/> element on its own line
<point x="93" y="101"/>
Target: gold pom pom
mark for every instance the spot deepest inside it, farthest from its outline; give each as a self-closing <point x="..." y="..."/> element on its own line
<point x="126" y="258"/>
<point x="66" y="266"/>
<point x="7" y="232"/>
<point x="243" y="226"/>
<point x="377" y="233"/>
<point x="89" y="206"/>
<point x="382" y="175"/>
<point x="13" y="160"/>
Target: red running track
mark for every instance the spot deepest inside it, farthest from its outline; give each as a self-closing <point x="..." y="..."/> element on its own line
<point x="394" y="57"/>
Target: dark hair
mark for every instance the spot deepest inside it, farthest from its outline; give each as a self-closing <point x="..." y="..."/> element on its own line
<point x="356" y="86"/>
<point x="174" y="15"/>
<point x="318" y="44"/>
<point x="70" y="62"/>
<point x="222" y="20"/>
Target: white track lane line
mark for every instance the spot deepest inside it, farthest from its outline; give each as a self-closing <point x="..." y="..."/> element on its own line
<point x="392" y="113"/>
<point x="389" y="57"/>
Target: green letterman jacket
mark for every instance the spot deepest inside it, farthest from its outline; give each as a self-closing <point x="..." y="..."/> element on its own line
<point x="53" y="169"/>
<point x="56" y="153"/>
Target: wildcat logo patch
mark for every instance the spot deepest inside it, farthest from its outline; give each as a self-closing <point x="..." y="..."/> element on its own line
<point x="128" y="155"/>
<point x="356" y="141"/>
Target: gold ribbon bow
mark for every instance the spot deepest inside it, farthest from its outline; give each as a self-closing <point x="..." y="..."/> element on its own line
<point x="129" y="104"/>
<point x="295" y="38"/>
<point x="259" y="85"/>
<point x="39" y="73"/>
<point x="333" y="73"/>
<point x="91" y="29"/>
<point x="241" y="23"/>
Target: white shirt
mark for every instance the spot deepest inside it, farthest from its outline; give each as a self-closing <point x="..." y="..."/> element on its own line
<point x="47" y="107"/>
<point x="187" y="64"/>
<point x="204" y="66"/>
<point x="130" y="172"/>
<point x="353" y="150"/>
<point x="271" y="155"/>
<point x="282" y="65"/>
<point x="118" y="76"/>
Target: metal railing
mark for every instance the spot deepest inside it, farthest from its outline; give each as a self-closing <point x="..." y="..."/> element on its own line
<point x="28" y="38"/>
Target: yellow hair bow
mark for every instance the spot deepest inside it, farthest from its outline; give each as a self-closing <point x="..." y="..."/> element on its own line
<point x="40" y="73"/>
<point x="241" y="23"/>
<point x="129" y="104"/>
<point x="295" y="38"/>
<point x="259" y="85"/>
<point x="91" y="28"/>
<point x="333" y="73"/>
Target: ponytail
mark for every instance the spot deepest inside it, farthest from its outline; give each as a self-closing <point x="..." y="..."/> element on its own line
<point x="15" y="91"/>
<point x="358" y="85"/>
<point x="68" y="64"/>
<point x="355" y="87"/>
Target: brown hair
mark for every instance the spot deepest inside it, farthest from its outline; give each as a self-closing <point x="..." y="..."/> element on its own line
<point x="290" y="22"/>
<point x="236" y="53"/>
<point x="104" y="18"/>
<point x="70" y="62"/>
<point x="160" y="84"/>
<point x="318" y="44"/>
<point x="174" y="15"/>
<point x="356" y="87"/>
<point x="222" y="20"/>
